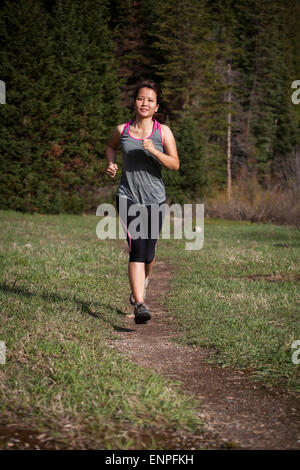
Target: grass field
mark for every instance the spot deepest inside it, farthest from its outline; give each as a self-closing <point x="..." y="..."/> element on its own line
<point x="240" y="295"/>
<point x="62" y="295"/>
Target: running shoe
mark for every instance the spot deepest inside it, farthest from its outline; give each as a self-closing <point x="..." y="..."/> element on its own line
<point x="141" y="313"/>
<point x="131" y="299"/>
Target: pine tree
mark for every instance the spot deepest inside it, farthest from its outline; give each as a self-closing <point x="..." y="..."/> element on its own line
<point x="132" y="23"/>
<point x="285" y="164"/>
<point x="221" y="21"/>
<point x="186" y="56"/>
<point x="190" y="181"/>
<point x="63" y="101"/>
<point x="26" y="62"/>
<point x="263" y="72"/>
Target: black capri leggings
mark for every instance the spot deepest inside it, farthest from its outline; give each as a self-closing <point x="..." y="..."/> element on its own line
<point x="142" y="224"/>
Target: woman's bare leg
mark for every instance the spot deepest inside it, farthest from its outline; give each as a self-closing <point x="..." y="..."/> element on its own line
<point x="136" y="275"/>
<point x="148" y="268"/>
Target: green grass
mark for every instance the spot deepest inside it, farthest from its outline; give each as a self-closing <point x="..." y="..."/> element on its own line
<point x="239" y="295"/>
<point x="61" y="294"/>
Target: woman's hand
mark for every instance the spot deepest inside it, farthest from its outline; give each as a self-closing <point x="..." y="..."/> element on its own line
<point x="112" y="169"/>
<point x="149" y="146"/>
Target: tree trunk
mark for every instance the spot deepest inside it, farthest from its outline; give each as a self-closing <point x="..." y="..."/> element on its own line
<point x="229" y="135"/>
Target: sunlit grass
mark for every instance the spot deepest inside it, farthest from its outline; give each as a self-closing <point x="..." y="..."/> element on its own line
<point x="239" y="295"/>
<point x="62" y="295"/>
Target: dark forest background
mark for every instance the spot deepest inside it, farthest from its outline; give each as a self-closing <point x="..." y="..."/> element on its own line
<point x="226" y="68"/>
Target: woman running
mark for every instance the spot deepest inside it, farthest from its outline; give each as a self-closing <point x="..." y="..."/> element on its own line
<point x="146" y="145"/>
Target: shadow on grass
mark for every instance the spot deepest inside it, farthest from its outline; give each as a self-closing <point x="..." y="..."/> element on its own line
<point x="54" y="297"/>
<point x="122" y="330"/>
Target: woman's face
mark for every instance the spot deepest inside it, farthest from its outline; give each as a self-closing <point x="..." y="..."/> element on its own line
<point x="146" y="102"/>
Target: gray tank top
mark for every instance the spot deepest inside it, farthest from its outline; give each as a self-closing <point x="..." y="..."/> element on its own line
<point x="141" y="179"/>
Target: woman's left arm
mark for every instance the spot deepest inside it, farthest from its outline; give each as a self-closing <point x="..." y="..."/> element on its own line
<point x="169" y="159"/>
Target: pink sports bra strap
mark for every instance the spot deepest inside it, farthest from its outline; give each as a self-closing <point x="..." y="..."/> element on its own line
<point x="157" y="126"/>
<point x="126" y="126"/>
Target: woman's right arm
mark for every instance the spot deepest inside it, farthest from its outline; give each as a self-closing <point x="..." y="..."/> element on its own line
<point x="111" y="150"/>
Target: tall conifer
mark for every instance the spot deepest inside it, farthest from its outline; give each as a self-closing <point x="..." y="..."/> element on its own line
<point x="63" y="101"/>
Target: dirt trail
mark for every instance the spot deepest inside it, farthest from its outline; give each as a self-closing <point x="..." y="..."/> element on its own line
<point x="238" y="412"/>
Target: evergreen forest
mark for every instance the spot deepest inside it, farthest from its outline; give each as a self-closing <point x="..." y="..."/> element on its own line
<point x="229" y="72"/>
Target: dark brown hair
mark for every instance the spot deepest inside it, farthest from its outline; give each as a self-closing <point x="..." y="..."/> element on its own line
<point x="148" y="84"/>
